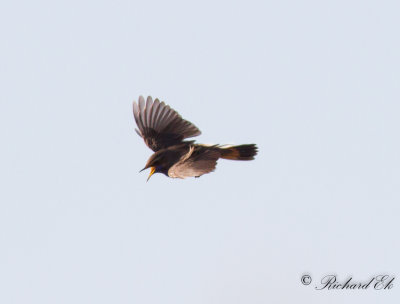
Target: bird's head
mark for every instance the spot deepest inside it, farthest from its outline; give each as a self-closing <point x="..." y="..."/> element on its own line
<point x="156" y="163"/>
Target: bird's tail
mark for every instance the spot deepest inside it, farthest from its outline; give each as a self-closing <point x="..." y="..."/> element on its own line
<point x="241" y="152"/>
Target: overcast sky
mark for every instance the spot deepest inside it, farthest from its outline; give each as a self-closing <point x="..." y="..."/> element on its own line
<point x="315" y="84"/>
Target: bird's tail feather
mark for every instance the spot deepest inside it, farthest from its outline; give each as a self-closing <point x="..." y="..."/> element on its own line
<point x="241" y="152"/>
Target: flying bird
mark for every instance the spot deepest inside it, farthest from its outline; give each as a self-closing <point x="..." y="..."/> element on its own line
<point x="164" y="130"/>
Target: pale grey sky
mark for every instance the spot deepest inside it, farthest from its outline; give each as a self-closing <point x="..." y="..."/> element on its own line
<point x="314" y="83"/>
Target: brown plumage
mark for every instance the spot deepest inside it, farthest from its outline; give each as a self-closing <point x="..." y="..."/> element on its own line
<point x="164" y="130"/>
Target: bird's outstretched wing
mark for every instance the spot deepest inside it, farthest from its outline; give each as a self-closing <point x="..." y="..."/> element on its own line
<point x="198" y="161"/>
<point x="159" y="125"/>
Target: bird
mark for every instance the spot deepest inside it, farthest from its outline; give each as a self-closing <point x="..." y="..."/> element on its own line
<point x="164" y="131"/>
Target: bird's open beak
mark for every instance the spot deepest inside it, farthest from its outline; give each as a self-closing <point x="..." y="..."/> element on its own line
<point x="152" y="170"/>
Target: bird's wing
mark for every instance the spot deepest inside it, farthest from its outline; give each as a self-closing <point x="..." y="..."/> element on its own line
<point x="159" y="125"/>
<point x="195" y="163"/>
